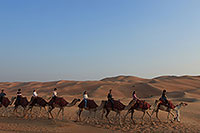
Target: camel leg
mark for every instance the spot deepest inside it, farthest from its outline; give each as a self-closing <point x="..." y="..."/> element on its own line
<point x="79" y="114"/>
<point x="62" y="113"/>
<point x="5" y="110"/>
<point x="157" y="115"/>
<point x="132" y="112"/>
<point x="107" y="113"/>
<point x="129" y="111"/>
<point x="168" y="115"/>
<point x="153" y="112"/>
<point x="46" y="111"/>
<point x="50" y="109"/>
<point x="40" y="112"/>
<point x="3" y="114"/>
<point x="143" y="115"/>
<point x="58" y="113"/>
<point x="15" y="110"/>
<point x="149" y="115"/>
<point x="103" y="112"/>
<point x="120" y="123"/>
<point x="172" y="115"/>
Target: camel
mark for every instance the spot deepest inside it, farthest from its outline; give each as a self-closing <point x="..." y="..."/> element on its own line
<point x="140" y="105"/>
<point x="91" y="107"/>
<point x="118" y="107"/>
<point x="61" y="103"/>
<point x="162" y="107"/>
<point x="23" y="102"/>
<point x="37" y="101"/>
<point x="5" y="103"/>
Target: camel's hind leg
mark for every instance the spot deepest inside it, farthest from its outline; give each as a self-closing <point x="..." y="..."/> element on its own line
<point x="132" y="112"/>
<point x="62" y="113"/>
<point x="107" y="113"/>
<point x="103" y="112"/>
<point x="143" y="114"/>
<point x="58" y="113"/>
<point x="129" y="111"/>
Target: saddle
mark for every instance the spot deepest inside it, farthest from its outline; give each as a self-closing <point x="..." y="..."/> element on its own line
<point x="142" y="104"/>
<point x="59" y="101"/>
<point x="117" y="105"/>
<point x="169" y="104"/>
<point x="90" y="104"/>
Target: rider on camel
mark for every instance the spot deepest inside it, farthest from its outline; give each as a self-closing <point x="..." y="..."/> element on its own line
<point x="35" y="93"/>
<point x="19" y="96"/>
<point x="134" y="96"/>
<point x="2" y="94"/>
<point x="34" y="96"/>
<point x="110" y="99"/>
<point x="55" y="94"/>
<point x="164" y="98"/>
<point x="85" y="98"/>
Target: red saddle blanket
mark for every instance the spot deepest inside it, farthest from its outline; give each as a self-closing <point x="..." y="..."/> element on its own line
<point x="142" y="104"/>
<point x="169" y="104"/>
<point x="117" y="105"/>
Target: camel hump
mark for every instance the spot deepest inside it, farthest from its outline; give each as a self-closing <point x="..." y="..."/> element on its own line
<point x="117" y="105"/>
<point x="142" y="104"/>
<point x="5" y="102"/>
<point x="61" y="101"/>
<point x="90" y="104"/>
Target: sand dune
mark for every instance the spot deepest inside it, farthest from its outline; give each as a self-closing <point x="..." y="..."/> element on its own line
<point x="180" y="89"/>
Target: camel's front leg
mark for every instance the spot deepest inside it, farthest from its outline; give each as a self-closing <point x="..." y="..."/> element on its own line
<point x="103" y="112"/>
<point x="157" y="115"/>
<point x="129" y="111"/>
<point x="79" y="114"/>
<point x="40" y="112"/>
<point x="107" y="113"/>
<point x="132" y="112"/>
<point x="149" y="115"/>
<point x="143" y="115"/>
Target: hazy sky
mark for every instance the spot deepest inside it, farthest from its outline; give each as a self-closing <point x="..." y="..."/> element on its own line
<point x="91" y="39"/>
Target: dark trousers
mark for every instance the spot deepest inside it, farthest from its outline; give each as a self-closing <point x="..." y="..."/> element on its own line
<point x="1" y="98"/>
<point x="112" y="103"/>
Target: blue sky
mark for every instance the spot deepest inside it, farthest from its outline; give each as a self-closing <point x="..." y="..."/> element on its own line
<point x="92" y="39"/>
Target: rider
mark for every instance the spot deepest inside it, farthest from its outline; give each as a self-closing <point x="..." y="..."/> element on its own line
<point x="134" y="96"/>
<point x="19" y="95"/>
<point x="110" y="98"/>
<point x="85" y="98"/>
<point x="55" y="94"/>
<point x="164" y="97"/>
<point x="34" y="96"/>
<point x="2" y="94"/>
<point x="35" y="93"/>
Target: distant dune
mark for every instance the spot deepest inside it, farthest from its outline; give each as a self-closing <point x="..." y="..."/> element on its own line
<point x="122" y="87"/>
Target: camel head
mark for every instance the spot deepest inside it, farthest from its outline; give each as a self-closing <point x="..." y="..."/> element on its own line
<point x="183" y="104"/>
<point x="102" y="105"/>
<point x="76" y="100"/>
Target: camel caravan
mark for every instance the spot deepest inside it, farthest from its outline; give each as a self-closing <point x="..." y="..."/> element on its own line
<point x="106" y="106"/>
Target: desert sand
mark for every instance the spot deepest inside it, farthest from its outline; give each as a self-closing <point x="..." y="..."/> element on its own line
<point x="180" y="89"/>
